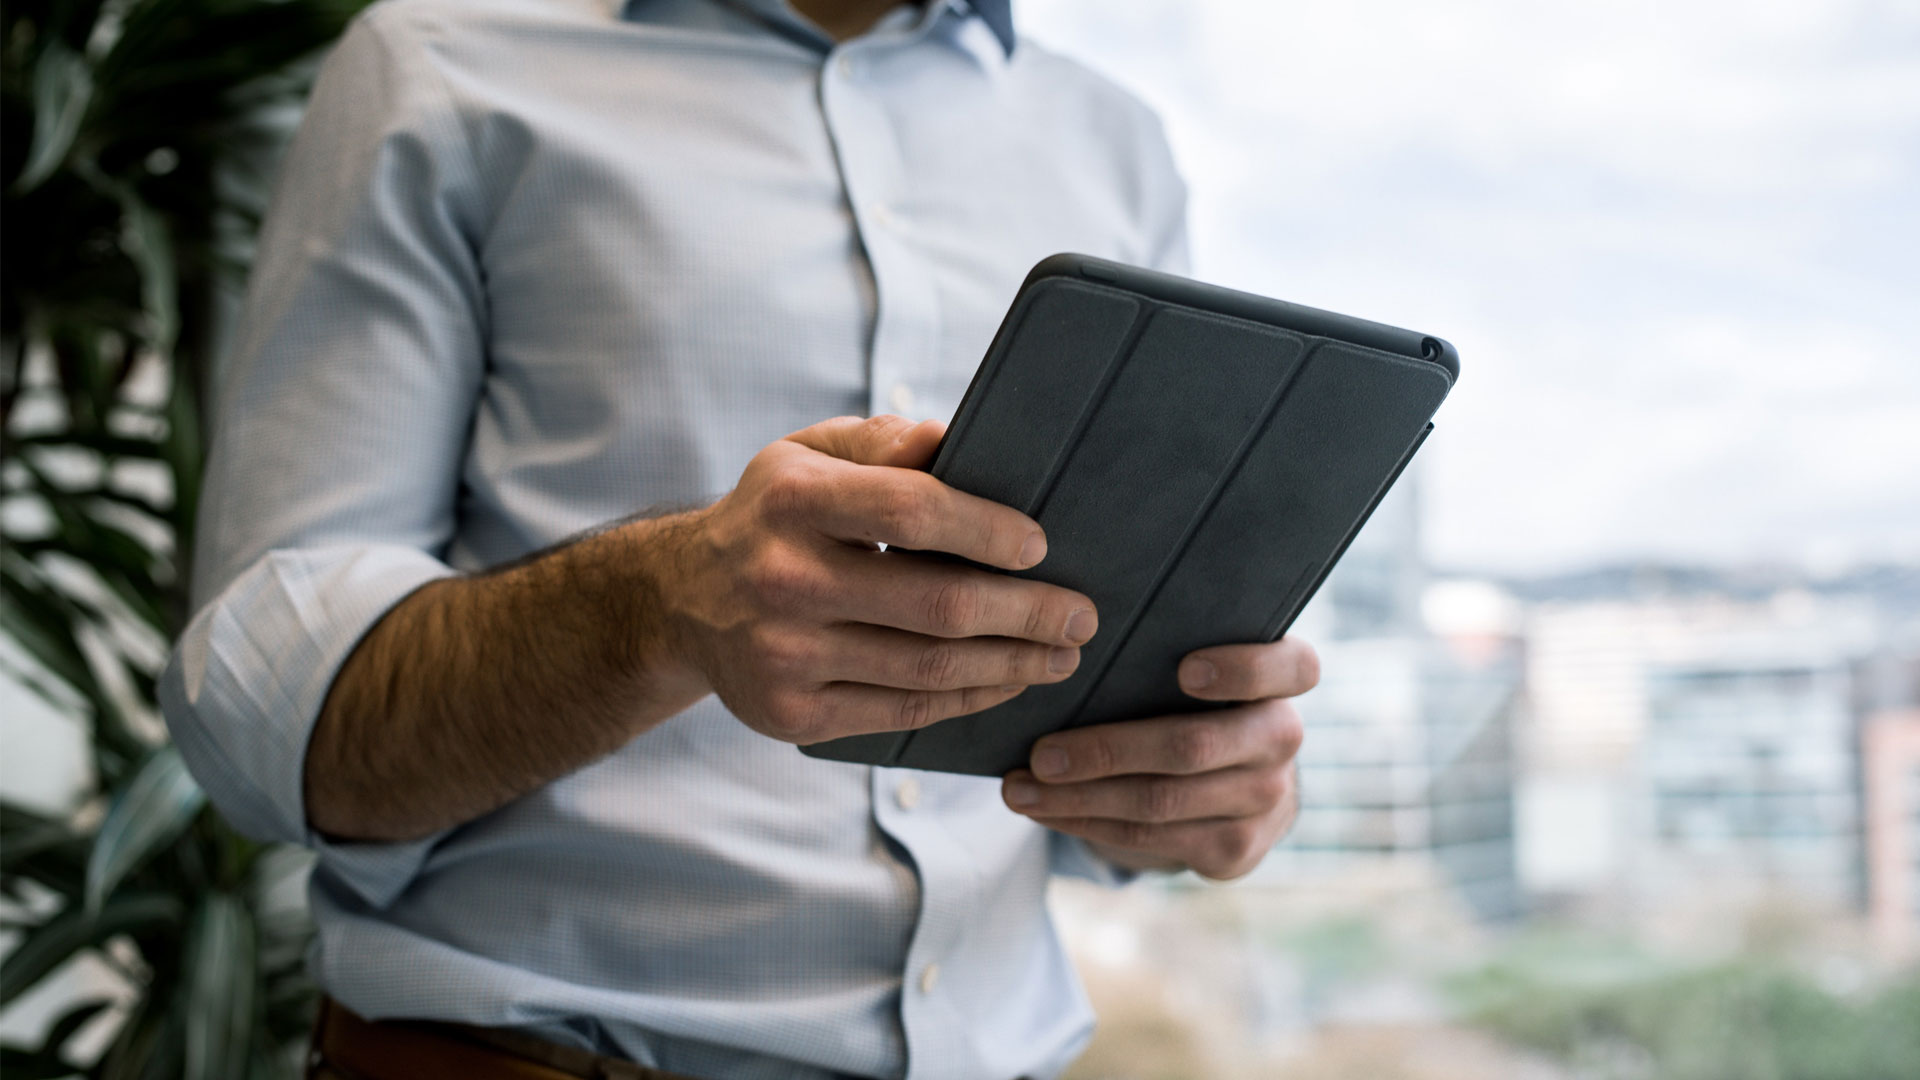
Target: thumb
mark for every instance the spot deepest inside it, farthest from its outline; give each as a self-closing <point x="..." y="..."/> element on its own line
<point x="881" y="440"/>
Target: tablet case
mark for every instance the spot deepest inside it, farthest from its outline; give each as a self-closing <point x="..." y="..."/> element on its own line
<point x="1199" y="459"/>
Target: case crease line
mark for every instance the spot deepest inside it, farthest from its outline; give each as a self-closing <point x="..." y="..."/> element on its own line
<point x="1227" y="476"/>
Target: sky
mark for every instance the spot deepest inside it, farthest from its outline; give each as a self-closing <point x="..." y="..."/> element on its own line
<point x="1677" y="244"/>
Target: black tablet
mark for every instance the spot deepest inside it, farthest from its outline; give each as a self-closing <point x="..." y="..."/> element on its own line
<point x="1199" y="459"/>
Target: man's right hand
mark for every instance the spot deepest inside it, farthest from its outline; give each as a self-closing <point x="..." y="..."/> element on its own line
<point x="476" y="689"/>
<point x="781" y="599"/>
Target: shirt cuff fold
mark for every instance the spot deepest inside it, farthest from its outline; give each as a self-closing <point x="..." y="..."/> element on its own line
<point x="247" y="680"/>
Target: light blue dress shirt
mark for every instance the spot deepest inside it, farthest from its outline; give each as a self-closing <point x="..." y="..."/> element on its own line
<point x="537" y="264"/>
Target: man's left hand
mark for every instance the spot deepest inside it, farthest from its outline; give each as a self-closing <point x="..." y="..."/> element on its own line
<point x="1209" y="791"/>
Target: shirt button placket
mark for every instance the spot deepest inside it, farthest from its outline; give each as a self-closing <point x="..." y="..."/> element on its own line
<point x="935" y="1040"/>
<point x="873" y="173"/>
<point x="907" y="794"/>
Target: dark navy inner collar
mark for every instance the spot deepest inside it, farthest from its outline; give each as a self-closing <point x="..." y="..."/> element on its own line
<point x="998" y="15"/>
<point x="780" y="15"/>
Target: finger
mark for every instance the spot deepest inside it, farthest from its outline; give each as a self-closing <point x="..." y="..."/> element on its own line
<point x="1222" y="848"/>
<point x="1247" y="791"/>
<point x="926" y="596"/>
<point x="1256" y="733"/>
<point x="908" y="509"/>
<point x="880" y="440"/>
<point x="883" y="656"/>
<point x="1285" y="668"/>
<point x="891" y="502"/>
<point x="841" y="709"/>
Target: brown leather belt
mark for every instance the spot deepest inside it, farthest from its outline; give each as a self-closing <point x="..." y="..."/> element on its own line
<point x="347" y="1047"/>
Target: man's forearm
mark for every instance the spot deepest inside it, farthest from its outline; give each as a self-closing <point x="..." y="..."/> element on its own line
<point x="474" y="690"/>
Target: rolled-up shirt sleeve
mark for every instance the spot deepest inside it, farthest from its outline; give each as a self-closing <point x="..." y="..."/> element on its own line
<point x="340" y="423"/>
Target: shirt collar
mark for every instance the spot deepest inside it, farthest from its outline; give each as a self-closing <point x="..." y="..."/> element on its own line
<point x="997" y="15"/>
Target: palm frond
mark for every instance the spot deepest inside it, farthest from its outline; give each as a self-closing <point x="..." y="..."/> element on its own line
<point x="137" y="138"/>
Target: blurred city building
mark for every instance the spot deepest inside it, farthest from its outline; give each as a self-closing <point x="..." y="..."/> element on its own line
<point x="1890" y="747"/>
<point x="1693" y="737"/>
<point x="1622" y="740"/>
<point x="1749" y="771"/>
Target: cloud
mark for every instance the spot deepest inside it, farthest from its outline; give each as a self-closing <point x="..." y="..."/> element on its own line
<point x="1674" y="241"/>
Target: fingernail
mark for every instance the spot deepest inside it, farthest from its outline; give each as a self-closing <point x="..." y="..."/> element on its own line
<point x="1033" y="550"/>
<point x="1051" y="761"/>
<point x="1012" y="688"/>
<point x="1080" y="625"/>
<point x="1022" y="793"/>
<point x="1062" y="659"/>
<point x="1197" y="674"/>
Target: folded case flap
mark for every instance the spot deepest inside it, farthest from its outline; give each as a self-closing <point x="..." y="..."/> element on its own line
<point x="1196" y="475"/>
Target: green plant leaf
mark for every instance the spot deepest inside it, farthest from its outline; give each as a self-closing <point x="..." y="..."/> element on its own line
<point x="146" y="1047"/>
<point x="106" y="549"/>
<point x="49" y="853"/>
<point x="117" y="445"/>
<point x="185" y="453"/>
<point x="60" y="938"/>
<point x="42" y="623"/>
<point x="62" y="87"/>
<point x="18" y="1064"/>
<point x="147" y="241"/>
<point x="16" y="819"/>
<point x="222" y="986"/>
<point x="70" y="1023"/>
<point x="52" y="691"/>
<point x="111" y="261"/>
<point x="159" y="802"/>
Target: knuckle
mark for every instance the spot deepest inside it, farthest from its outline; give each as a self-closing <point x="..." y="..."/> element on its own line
<point x="1218" y="862"/>
<point x="1039" y="625"/>
<point x="1269" y="789"/>
<point x="975" y="698"/>
<point x="885" y="428"/>
<point x="1136" y="835"/>
<point x="954" y="607"/>
<point x="1162" y="800"/>
<point x="792" y="718"/>
<point x="1000" y="539"/>
<point x="1025" y="663"/>
<point x="938" y="667"/>
<point x="781" y="578"/>
<point x="913" y="711"/>
<point x="1099" y="754"/>
<point x="782" y="653"/>
<point x="1240" y="841"/>
<point x="906" y="511"/>
<point x="789" y="493"/>
<point x="1194" y="746"/>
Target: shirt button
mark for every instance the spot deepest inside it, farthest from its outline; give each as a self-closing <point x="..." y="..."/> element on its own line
<point x="901" y="398"/>
<point x="849" y="67"/>
<point x="929" y="978"/>
<point x="907" y="795"/>
<point x="880" y="215"/>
